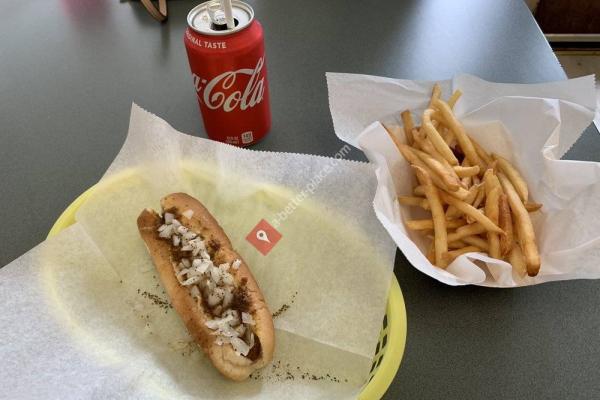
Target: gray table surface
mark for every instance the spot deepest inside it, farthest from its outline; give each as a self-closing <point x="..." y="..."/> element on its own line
<point x="70" y="69"/>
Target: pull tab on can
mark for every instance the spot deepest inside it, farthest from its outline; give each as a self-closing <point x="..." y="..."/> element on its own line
<point x="210" y="18"/>
<point x="217" y="16"/>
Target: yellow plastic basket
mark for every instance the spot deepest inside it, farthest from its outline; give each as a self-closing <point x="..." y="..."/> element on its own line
<point x="392" y="337"/>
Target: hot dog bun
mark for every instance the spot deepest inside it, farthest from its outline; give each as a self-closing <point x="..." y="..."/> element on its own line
<point x="193" y="304"/>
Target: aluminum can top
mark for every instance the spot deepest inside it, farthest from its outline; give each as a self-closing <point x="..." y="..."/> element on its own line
<point x="208" y="18"/>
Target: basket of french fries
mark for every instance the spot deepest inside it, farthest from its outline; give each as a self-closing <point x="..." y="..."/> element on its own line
<point x="474" y="198"/>
<point x="472" y="187"/>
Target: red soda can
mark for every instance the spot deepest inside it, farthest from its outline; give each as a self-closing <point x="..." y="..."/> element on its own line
<point x="229" y="72"/>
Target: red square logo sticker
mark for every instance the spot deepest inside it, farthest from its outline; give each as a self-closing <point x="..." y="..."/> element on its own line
<point x="264" y="237"/>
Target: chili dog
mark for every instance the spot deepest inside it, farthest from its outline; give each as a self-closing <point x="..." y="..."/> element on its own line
<point x="209" y="285"/>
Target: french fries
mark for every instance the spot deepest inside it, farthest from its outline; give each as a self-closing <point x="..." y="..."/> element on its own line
<point x="436" y="93"/>
<point x="472" y="212"/>
<point x="454" y="98"/>
<point x="447" y="175"/>
<point x="480" y="197"/>
<point x="479" y="202"/>
<point x="513" y="175"/>
<point x="477" y="241"/>
<point x="427" y="224"/>
<point x="459" y="132"/>
<point x="457" y="244"/>
<point x="452" y="212"/>
<point x="516" y="259"/>
<point x="505" y="223"/>
<point x="532" y="207"/>
<point x="411" y="156"/>
<point x="436" y="139"/>
<point x="465" y="172"/>
<point x="414" y="201"/>
<point x="492" y="211"/>
<point x="437" y="213"/>
<point x="425" y="144"/>
<point x="449" y="256"/>
<point x="407" y="122"/>
<point x="467" y="230"/>
<point x="485" y="157"/>
<point x="524" y="227"/>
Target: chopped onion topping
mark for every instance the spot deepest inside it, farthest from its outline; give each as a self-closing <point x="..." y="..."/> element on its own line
<point x="218" y="310"/>
<point x="231" y="315"/>
<point x="182" y="272"/>
<point x="247" y="319"/>
<point x="249" y="337"/>
<point x="213" y="323"/>
<point x="189" y="235"/>
<point x="219" y="292"/>
<point x="213" y="299"/>
<point x="228" y="279"/>
<point x="240" y="346"/>
<point x="209" y="284"/>
<point x="220" y="322"/>
<point x="201" y="265"/>
<point x="224" y="267"/>
<point x="166" y="232"/>
<point x="197" y="243"/>
<point x="240" y="329"/>
<point x="193" y="272"/>
<point x="227" y="298"/>
<point x="216" y="275"/>
<point x="190" y="281"/>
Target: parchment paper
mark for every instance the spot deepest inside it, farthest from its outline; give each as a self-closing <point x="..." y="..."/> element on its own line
<point x="85" y="314"/>
<point x="531" y="125"/>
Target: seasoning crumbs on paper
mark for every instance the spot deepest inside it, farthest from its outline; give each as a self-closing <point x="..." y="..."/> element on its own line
<point x="184" y="347"/>
<point x="156" y="300"/>
<point x="285" y="372"/>
<point x="285" y="306"/>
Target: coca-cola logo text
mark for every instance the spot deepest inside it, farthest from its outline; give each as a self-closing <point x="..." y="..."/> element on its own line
<point x="217" y="93"/>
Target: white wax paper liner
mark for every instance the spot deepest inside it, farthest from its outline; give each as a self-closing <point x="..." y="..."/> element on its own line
<point x="87" y="304"/>
<point x="531" y="125"/>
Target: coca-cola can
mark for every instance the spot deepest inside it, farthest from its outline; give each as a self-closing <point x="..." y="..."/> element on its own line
<point x="229" y="72"/>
